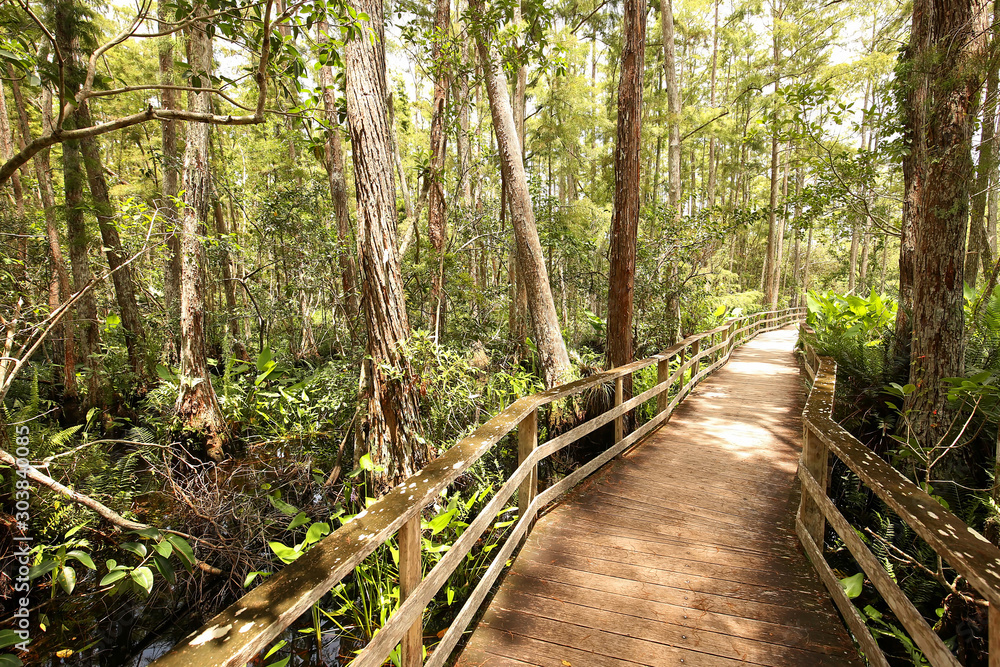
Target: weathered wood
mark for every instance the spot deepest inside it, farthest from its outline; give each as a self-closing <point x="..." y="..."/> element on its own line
<point x="235" y="635"/>
<point x="965" y="550"/>
<point x="815" y="460"/>
<point x="412" y="646"/>
<point x="620" y="419"/>
<point x="527" y="441"/>
<point x="617" y="548"/>
<point x="934" y="649"/>
<point x="662" y="373"/>
<point x="851" y="615"/>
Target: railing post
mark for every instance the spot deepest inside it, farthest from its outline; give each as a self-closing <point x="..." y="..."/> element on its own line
<point x="731" y="337"/>
<point x="662" y="374"/>
<point x="620" y="419"/>
<point x="815" y="459"/>
<point x="527" y="440"/>
<point x="682" y="356"/>
<point x="695" y="351"/>
<point x="412" y="646"/>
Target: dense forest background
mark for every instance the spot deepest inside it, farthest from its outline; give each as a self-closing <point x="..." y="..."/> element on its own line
<point x="261" y="260"/>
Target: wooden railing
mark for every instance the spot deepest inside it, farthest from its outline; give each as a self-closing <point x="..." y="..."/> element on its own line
<point x="967" y="552"/>
<point x="239" y="632"/>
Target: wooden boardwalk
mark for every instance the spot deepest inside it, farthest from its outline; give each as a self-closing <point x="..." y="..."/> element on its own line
<point x="684" y="550"/>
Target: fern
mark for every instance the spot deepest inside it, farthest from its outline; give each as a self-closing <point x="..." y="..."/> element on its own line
<point x="62" y="437"/>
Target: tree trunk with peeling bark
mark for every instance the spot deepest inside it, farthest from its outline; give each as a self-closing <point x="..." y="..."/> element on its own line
<point x="625" y="219"/>
<point x="197" y="405"/>
<point x="531" y="263"/>
<point x="938" y="342"/>
<point x="170" y="187"/>
<point x="980" y="250"/>
<point x="334" y="163"/>
<point x="391" y="425"/>
<point x="122" y="279"/>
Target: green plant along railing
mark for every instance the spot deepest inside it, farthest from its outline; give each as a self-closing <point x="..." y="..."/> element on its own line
<point x="239" y="632"/>
<point x="970" y="554"/>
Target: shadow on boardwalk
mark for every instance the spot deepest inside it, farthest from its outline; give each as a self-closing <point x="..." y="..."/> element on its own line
<point x="684" y="550"/>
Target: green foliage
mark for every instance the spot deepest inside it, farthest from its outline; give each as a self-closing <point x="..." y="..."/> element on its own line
<point x="865" y="321"/>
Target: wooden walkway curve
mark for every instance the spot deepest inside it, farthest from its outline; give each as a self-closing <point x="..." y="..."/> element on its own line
<point x="683" y="551"/>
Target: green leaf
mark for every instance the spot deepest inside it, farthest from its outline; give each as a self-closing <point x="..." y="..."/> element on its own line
<point x="853" y="585"/>
<point x="283" y="661"/>
<point x="251" y="577"/>
<point x="316" y="532"/>
<point x="151" y="533"/>
<point x="274" y="649"/>
<point x="163" y="548"/>
<point x="285" y="553"/>
<point x="184" y="551"/>
<point x="83" y="557"/>
<point x="112" y="577"/>
<point x="282" y="506"/>
<point x="9" y="638"/>
<point x="67" y="579"/>
<point x="42" y="568"/>
<point x="300" y="520"/>
<point x="136" y="548"/>
<point x="366" y="462"/>
<point x="440" y="522"/>
<point x="143" y="577"/>
<point x="8" y="660"/>
<point x="165" y="568"/>
<point x="265" y="358"/>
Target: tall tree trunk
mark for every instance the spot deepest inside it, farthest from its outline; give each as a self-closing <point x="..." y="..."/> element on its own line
<point x="980" y="251"/>
<point x="462" y="134"/>
<point x="73" y="182"/>
<point x="392" y="423"/>
<point x="171" y="168"/>
<point x="437" y="220"/>
<point x="711" y="103"/>
<point x="772" y="260"/>
<point x="852" y="263"/>
<point x="958" y="29"/>
<point x="122" y="278"/>
<point x="61" y="275"/>
<point x="531" y="262"/>
<point x="625" y="219"/>
<point x="197" y="405"/>
<point x="233" y="328"/>
<point x="334" y="164"/>
<point x="673" y="106"/>
<point x="915" y="91"/>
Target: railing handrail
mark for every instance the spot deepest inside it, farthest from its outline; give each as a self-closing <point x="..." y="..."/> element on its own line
<point x="970" y="554"/>
<point x="247" y="626"/>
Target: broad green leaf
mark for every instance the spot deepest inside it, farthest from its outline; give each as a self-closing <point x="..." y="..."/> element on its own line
<point x="282" y="506"/>
<point x="112" y="577"/>
<point x="316" y="532"/>
<point x="42" y="568"/>
<point x="300" y="520"/>
<point x="143" y="577"/>
<point x="136" y="548"/>
<point x="67" y="578"/>
<point x="9" y="638"/>
<point x="8" y="660"/>
<point x="163" y="548"/>
<point x="83" y="557"/>
<point x="184" y="551"/>
<point x="165" y="568"/>
<point x="151" y="533"/>
<point x="274" y="649"/>
<point x="285" y="553"/>
<point x="853" y="585"/>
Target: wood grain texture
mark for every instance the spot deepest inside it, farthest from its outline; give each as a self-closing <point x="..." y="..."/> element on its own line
<point x="683" y="550"/>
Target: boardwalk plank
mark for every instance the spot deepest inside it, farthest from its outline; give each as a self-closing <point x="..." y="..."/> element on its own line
<point x="682" y="551"/>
